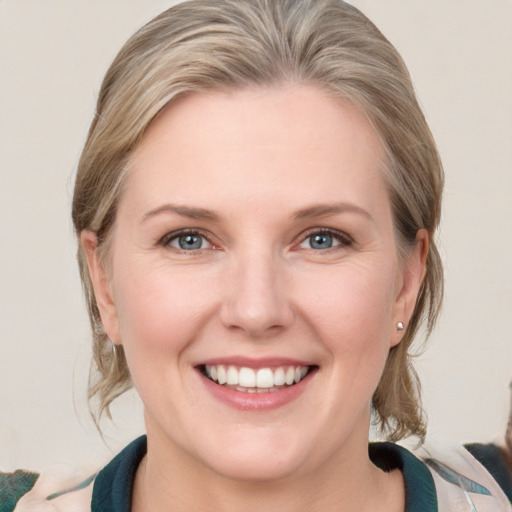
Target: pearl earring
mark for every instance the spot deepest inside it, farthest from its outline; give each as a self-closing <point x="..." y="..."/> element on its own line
<point x="400" y="326"/>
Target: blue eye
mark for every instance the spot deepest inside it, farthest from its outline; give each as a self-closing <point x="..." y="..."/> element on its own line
<point x="323" y="240"/>
<point x="192" y="241"/>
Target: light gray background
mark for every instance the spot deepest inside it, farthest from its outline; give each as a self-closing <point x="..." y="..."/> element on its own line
<point x="53" y="54"/>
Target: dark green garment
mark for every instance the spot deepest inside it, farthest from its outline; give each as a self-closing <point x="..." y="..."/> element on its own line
<point x="13" y="486"/>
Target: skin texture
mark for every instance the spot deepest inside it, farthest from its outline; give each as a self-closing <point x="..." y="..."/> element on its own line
<point x="261" y="162"/>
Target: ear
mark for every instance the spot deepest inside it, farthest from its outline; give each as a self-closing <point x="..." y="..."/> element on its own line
<point x="101" y="285"/>
<point x="413" y="272"/>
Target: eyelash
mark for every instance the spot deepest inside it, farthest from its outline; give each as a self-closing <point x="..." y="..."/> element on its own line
<point x="342" y="238"/>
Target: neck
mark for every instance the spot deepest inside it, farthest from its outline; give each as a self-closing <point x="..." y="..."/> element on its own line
<point x="345" y="483"/>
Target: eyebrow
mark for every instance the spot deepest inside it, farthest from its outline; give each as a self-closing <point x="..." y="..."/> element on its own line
<point x="184" y="211"/>
<point x="319" y="210"/>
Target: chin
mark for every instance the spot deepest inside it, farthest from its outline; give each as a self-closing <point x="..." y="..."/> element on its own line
<point x="254" y="468"/>
<point x="264" y="458"/>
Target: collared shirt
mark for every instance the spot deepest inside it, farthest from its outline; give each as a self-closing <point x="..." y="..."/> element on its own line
<point x="459" y="483"/>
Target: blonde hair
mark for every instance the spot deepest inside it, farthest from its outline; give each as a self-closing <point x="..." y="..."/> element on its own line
<point x="220" y="44"/>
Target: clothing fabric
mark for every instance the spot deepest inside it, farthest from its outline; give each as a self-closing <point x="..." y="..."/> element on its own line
<point x="497" y="462"/>
<point x="436" y="480"/>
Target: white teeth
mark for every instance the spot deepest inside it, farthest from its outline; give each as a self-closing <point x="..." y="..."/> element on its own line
<point x="221" y="374"/>
<point x="247" y="378"/>
<point x="289" y="377"/>
<point x="265" y="378"/>
<point x="232" y="376"/>
<point x="279" y="377"/>
<point x="258" y="390"/>
<point x="262" y="380"/>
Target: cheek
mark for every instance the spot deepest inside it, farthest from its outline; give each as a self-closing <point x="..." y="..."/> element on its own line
<point x="158" y="310"/>
<point x="354" y="307"/>
<point x="160" y="314"/>
<point x="352" y="317"/>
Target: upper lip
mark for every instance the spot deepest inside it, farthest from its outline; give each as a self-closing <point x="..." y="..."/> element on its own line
<point x="255" y="363"/>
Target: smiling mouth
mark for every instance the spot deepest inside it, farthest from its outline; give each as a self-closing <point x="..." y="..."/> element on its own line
<point x="262" y="380"/>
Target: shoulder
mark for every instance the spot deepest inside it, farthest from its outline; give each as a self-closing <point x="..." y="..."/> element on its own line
<point x="443" y="479"/>
<point x="59" y="489"/>
<point x="462" y="480"/>
<point x="62" y="489"/>
<point x="497" y="461"/>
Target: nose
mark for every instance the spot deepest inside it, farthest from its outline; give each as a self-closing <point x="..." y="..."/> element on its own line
<point x="256" y="299"/>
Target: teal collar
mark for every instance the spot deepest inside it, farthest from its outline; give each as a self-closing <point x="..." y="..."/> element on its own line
<point x="420" y="490"/>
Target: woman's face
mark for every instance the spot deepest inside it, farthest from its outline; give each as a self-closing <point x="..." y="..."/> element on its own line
<point x="254" y="243"/>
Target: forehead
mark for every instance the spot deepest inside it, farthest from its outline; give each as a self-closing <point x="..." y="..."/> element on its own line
<point x="290" y="143"/>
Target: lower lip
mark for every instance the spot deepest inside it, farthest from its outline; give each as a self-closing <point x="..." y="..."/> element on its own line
<point x="245" y="401"/>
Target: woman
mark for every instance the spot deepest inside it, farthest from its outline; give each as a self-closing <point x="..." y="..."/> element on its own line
<point x="256" y="206"/>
